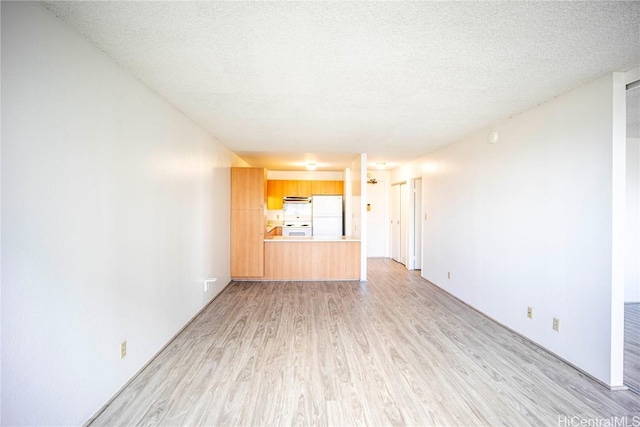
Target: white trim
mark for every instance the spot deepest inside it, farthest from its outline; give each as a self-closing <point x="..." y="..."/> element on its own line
<point x="618" y="222"/>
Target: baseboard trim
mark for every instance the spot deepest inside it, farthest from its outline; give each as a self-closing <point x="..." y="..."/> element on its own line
<point x="139" y="371"/>
<point x="541" y="347"/>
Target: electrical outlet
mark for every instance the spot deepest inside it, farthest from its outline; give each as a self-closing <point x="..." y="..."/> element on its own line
<point x="123" y="349"/>
<point x="448" y="275"/>
<point x="530" y="312"/>
<point x="556" y="324"/>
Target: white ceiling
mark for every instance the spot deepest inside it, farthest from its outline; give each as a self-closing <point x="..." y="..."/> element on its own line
<point x="281" y="83"/>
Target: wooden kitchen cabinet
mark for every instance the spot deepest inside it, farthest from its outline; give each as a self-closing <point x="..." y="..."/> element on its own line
<point x="276" y="231"/>
<point x="248" y="217"/>
<point x="290" y="188"/>
<point x="312" y="260"/>
<point x="338" y="187"/>
<point x="326" y="187"/>
<point x="247" y="243"/>
<point x="319" y="187"/>
<point x="301" y="188"/>
<point x="248" y="188"/>
<point x="275" y="193"/>
<point x="304" y="188"/>
<point x="278" y="189"/>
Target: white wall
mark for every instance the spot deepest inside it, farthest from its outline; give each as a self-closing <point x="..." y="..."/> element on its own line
<point x="632" y="232"/>
<point x="528" y="222"/>
<point x="115" y="207"/>
<point x="378" y="218"/>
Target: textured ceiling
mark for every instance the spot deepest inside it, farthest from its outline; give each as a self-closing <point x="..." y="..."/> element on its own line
<point x="284" y="82"/>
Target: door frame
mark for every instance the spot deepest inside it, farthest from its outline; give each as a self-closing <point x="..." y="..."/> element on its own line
<point x="414" y="223"/>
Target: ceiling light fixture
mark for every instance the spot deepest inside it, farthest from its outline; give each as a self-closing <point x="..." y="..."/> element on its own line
<point x="381" y="165"/>
<point x="311" y="166"/>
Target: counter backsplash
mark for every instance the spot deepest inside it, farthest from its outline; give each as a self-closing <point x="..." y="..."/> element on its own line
<point x="275" y="216"/>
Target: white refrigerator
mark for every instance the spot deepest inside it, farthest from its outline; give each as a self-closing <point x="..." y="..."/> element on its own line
<point x="327" y="215"/>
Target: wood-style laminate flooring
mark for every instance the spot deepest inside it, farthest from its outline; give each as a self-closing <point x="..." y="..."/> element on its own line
<point x="393" y="351"/>
<point x="632" y="346"/>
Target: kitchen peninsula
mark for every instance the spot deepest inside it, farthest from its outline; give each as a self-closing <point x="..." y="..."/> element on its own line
<point x="311" y="258"/>
<point x="258" y="255"/>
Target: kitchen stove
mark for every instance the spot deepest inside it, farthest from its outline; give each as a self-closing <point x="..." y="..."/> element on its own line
<point x="296" y="229"/>
<point x="297" y="217"/>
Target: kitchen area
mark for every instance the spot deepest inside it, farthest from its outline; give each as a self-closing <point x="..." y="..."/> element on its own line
<point x="302" y="232"/>
<point x="307" y="216"/>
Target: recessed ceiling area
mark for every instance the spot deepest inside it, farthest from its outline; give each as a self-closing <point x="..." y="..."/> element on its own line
<point x="283" y="83"/>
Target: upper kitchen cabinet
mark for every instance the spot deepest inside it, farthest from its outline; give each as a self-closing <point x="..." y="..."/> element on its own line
<point x="275" y="194"/>
<point x="248" y="188"/>
<point x="307" y="188"/>
<point x="297" y="188"/>
<point x="277" y="189"/>
<point x="304" y="188"/>
<point x="326" y="187"/>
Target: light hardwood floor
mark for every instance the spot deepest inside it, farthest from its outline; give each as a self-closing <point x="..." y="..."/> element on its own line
<point x="632" y="346"/>
<point x="393" y="351"/>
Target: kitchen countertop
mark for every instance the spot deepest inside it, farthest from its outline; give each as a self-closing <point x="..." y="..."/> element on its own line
<point x="280" y="239"/>
<point x="274" y="224"/>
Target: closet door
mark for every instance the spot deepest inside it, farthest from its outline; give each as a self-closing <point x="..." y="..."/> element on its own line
<point x="404" y="219"/>
<point x="396" y="203"/>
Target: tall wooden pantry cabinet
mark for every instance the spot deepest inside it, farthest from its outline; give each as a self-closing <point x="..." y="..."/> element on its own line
<point x="248" y="221"/>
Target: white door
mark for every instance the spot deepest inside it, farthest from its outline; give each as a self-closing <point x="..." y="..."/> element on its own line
<point x="377" y="218"/>
<point x="415" y="234"/>
<point x="404" y="218"/>
<point x="397" y="227"/>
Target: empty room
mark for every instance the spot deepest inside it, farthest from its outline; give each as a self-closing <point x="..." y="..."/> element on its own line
<point x="320" y="213"/>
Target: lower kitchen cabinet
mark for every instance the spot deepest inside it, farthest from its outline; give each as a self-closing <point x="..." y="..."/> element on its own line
<point x="275" y="231"/>
<point x="247" y="243"/>
<point x="312" y="260"/>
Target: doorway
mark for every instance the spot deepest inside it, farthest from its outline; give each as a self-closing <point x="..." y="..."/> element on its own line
<point x="406" y="223"/>
<point x="377" y="219"/>
<point x="399" y="207"/>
